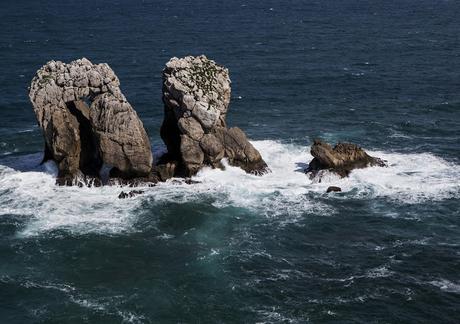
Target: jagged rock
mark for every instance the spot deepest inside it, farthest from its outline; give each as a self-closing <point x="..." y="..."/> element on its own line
<point x="150" y="180"/>
<point x="130" y="194"/>
<point x="333" y="189"/>
<point x="87" y="121"/>
<point x="190" y="181"/>
<point x="166" y="168"/>
<point x="341" y="159"/>
<point x="186" y="181"/>
<point x="196" y="95"/>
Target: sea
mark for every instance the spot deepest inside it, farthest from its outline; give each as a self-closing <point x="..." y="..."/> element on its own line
<point x="239" y="248"/>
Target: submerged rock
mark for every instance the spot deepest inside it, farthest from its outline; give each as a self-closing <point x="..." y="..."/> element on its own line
<point x="341" y="159"/>
<point x="196" y="96"/>
<point x="333" y="189"/>
<point x="87" y="122"/>
<point x="187" y="181"/>
<point x="130" y="194"/>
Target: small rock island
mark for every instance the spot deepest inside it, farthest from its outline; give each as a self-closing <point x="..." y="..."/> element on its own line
<point x="340" y="159"/>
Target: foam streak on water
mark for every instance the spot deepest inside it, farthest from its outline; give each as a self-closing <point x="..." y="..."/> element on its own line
<point x="286" y="192"/>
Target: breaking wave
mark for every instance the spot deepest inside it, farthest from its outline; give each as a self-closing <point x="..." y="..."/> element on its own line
<point x="27" y="191"/>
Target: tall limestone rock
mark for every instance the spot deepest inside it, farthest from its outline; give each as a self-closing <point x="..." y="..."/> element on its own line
<point x="196" y="96"/>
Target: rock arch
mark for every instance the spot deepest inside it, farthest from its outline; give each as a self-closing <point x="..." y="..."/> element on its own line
<point x="87" y="121"/>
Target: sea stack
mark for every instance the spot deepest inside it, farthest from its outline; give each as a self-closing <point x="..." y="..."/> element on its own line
<point x="340" y="159"/>
<point x="196" y="97"/>
<point x="87" y="123"/>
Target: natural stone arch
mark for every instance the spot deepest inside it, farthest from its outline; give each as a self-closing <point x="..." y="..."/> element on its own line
<point x="87" y="121"/>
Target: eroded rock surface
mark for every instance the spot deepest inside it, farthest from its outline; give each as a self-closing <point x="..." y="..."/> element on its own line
<point x="87" y="122"/>
<point x="196" y="95"/>
<point x="340" y="159"/>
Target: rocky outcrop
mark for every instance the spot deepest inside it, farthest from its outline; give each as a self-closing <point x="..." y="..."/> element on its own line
<point x="196" y="96"/>
<point x="130" y="194"/>
<point x="341" y="159"/>
<point x="87" y="122"/>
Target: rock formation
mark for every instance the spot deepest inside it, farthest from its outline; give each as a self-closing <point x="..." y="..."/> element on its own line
<point x="87" y="122"/>
<point x="130" y="194"/>
<point x="341" y="159"/>
<point x="196" y="96"/>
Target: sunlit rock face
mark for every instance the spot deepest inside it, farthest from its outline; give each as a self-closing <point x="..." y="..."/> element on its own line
<point x="87" y="122"/>
<point x="340" y="159"/>
<point x="196" y="96"/>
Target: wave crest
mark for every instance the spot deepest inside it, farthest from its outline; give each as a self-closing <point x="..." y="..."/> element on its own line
<point x="282" y="195"/>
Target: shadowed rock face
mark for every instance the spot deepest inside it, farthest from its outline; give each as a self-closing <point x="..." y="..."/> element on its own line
<point x="333" y="189"/>
<point x="87" y="122"/>
<point x="196" y="95"/>
<point x="341" y="159"/>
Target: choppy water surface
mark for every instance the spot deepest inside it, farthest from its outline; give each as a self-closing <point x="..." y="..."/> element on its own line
<point x="236" y="247"/>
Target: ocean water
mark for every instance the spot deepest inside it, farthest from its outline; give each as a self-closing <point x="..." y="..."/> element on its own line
<point x="237" y="248"/>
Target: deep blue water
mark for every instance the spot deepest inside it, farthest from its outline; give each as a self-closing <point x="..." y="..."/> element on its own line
<point x="238" y="248"/>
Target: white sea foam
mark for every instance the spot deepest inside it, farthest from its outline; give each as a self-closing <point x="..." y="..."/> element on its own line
<point x="447" y="285"/>
<point x="409" y="178"/>
<point x="283" y="195"/>
<point x="33" y="196"/>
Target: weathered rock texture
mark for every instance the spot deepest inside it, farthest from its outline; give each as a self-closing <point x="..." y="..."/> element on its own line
<point x="341" y="159"/>
<point x="87" y="122"/>
<point x="196" y="95"/>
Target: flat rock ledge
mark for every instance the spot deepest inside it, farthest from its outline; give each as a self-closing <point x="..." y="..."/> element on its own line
<point x="196" y="96"/>
<point x="340" y="159"/>
<point x="87" y="123"/>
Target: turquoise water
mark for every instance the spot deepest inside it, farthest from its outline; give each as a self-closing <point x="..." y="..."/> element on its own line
<point x="236" y="247"/>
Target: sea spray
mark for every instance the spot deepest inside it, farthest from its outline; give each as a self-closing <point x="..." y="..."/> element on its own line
<point x="28" y="190"/>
